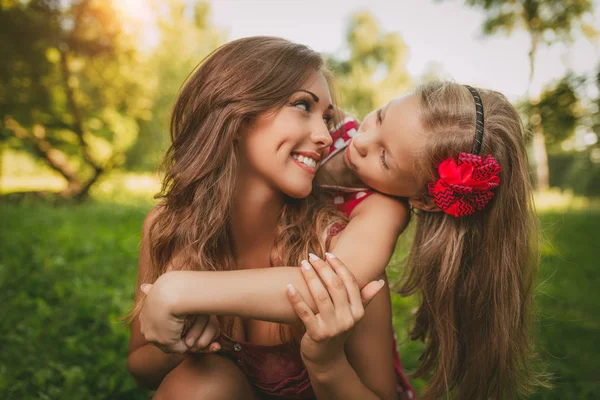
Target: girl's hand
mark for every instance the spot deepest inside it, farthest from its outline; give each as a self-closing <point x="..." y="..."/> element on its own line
<point x="340" y="304"/>
<point x="165" y="330"/>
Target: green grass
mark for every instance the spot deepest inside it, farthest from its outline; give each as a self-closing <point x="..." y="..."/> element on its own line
<point x="68" y="272"/>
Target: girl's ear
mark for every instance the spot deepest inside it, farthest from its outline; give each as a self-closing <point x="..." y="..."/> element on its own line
<point x="425" y="205"/>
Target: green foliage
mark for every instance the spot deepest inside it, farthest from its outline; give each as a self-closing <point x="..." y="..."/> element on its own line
<point x="185" y="40"/>
<point x="67" y="273"/>
<point x="575" y="171"/>
<point x="537" y="16"/>
<point x="567" y="299"/>
<point x="375" y="70"/>
<point x="73" y="87"/>
<point x="558" y="109"/>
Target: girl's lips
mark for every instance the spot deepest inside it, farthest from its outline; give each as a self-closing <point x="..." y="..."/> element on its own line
<point x="347" y="156"/>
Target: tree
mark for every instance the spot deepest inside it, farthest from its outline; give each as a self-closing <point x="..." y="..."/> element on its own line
<point x="558" y="109"/>
<point x="185" y="39"/>
<point x="375" y="70"/>
<point x="540" y="19"/>
<point x="73" y="87"/>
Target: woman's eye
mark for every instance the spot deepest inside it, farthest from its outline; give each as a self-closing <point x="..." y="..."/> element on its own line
<point x="328" y="121"/>
<point x="302" y="104"/>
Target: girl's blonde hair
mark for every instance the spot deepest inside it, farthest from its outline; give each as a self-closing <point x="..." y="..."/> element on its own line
<point x="475" y="274"/>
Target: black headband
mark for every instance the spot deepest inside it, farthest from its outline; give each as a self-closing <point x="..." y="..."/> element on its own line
<point x="479" y="122"/>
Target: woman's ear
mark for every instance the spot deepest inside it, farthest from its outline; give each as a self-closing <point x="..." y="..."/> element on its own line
<point x="425" y="205"/>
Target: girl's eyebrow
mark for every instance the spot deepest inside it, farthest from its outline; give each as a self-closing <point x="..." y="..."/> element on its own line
<point x="314" y="97"/>
<point x="383" y="111"/>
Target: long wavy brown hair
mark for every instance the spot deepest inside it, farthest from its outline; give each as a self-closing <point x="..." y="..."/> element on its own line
<point x="226" y="93"/>
<point x="474" y="274"/>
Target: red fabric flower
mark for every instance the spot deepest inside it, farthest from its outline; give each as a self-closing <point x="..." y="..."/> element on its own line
<point x="465" y="186"/>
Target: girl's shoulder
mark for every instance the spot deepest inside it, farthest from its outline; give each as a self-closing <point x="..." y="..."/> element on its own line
<point x="377" y="206"/>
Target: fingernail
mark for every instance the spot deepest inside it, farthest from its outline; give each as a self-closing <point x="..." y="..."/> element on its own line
<point x="305" y="265"/>
<point x="329" y="255"/>
<point x="312" y="256"/>
<point x="190" y="341"/>
<point x="143" y="286"/>
<point x="291" y="289"/>
<point x="216" y="347"/>
<point x="381" y="282"/>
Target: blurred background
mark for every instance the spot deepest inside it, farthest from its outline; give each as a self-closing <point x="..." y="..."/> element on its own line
<point x="86" y="88"/>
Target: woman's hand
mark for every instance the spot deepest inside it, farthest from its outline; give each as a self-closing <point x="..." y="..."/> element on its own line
<point x="340" y="305"/>
<point x="167" y="331"/>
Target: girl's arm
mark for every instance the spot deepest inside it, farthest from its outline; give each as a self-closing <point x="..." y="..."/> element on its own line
<point x="365" y="246"/>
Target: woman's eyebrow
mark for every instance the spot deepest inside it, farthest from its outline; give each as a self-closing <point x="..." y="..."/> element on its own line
<point x="315" y="97"/>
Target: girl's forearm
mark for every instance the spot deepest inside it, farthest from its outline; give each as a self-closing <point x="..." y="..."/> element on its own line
<point x="149" y="365"/>
<point x="252" y="293"/>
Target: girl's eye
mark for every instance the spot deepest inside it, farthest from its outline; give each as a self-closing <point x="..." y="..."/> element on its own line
<point x="302" y="104"/>
<point x="379" y="115"/>
<point x="382" y="158"/>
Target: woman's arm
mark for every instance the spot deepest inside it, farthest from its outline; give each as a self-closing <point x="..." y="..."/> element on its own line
<point x="147" y="363"/>
<point x="324" y="346"/>
<point x="365" y="246"/>
<point x="368" y="369"/>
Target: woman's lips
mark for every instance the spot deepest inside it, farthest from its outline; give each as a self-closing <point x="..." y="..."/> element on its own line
<point x="305" y="167"/>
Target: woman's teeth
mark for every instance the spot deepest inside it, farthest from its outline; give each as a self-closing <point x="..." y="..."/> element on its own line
<point x="306" y="160"/>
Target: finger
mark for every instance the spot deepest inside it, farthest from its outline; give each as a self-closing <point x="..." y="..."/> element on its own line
<point x="318" y="291"/>
<point x="334" y="284"/>
<point x="302" y="309"/>
<point x="209" y="334"/>
<point x="146" y="288"/>
<point x="352" y="288"/>
<point x="178" y="348"/>
<point x="370" y="290"/>
<point x="196" y="330"/>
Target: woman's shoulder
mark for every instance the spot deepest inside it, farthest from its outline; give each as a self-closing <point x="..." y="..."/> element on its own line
<point x="151" y="217"/>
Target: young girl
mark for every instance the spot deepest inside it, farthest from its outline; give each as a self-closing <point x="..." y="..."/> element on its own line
<point x="458" y="155"/>
<point x="234" y="200"/>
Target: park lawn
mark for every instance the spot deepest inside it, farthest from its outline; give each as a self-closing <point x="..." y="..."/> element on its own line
<point x="67" y="274"/>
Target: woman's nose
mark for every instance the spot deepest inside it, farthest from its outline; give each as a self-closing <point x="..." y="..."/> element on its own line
<point x="321" y="136"/>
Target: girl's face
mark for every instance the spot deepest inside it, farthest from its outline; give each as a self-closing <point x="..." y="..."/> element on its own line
<point x="382" y="153"/>
<point x="284" y="148"/>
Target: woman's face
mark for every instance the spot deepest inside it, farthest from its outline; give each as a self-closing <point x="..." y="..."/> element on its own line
<point x="284" y="148"/>
<point x="382" y="153"/>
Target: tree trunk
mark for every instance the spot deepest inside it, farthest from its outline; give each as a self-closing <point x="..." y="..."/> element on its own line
<point x="542" y="172"/>
<point x="55" y="159"/>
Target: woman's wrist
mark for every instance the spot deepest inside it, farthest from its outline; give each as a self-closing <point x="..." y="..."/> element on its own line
<point x="329" y="370"/>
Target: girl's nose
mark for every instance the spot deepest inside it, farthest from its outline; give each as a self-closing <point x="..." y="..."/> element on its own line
<point x="361" y="144"/>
